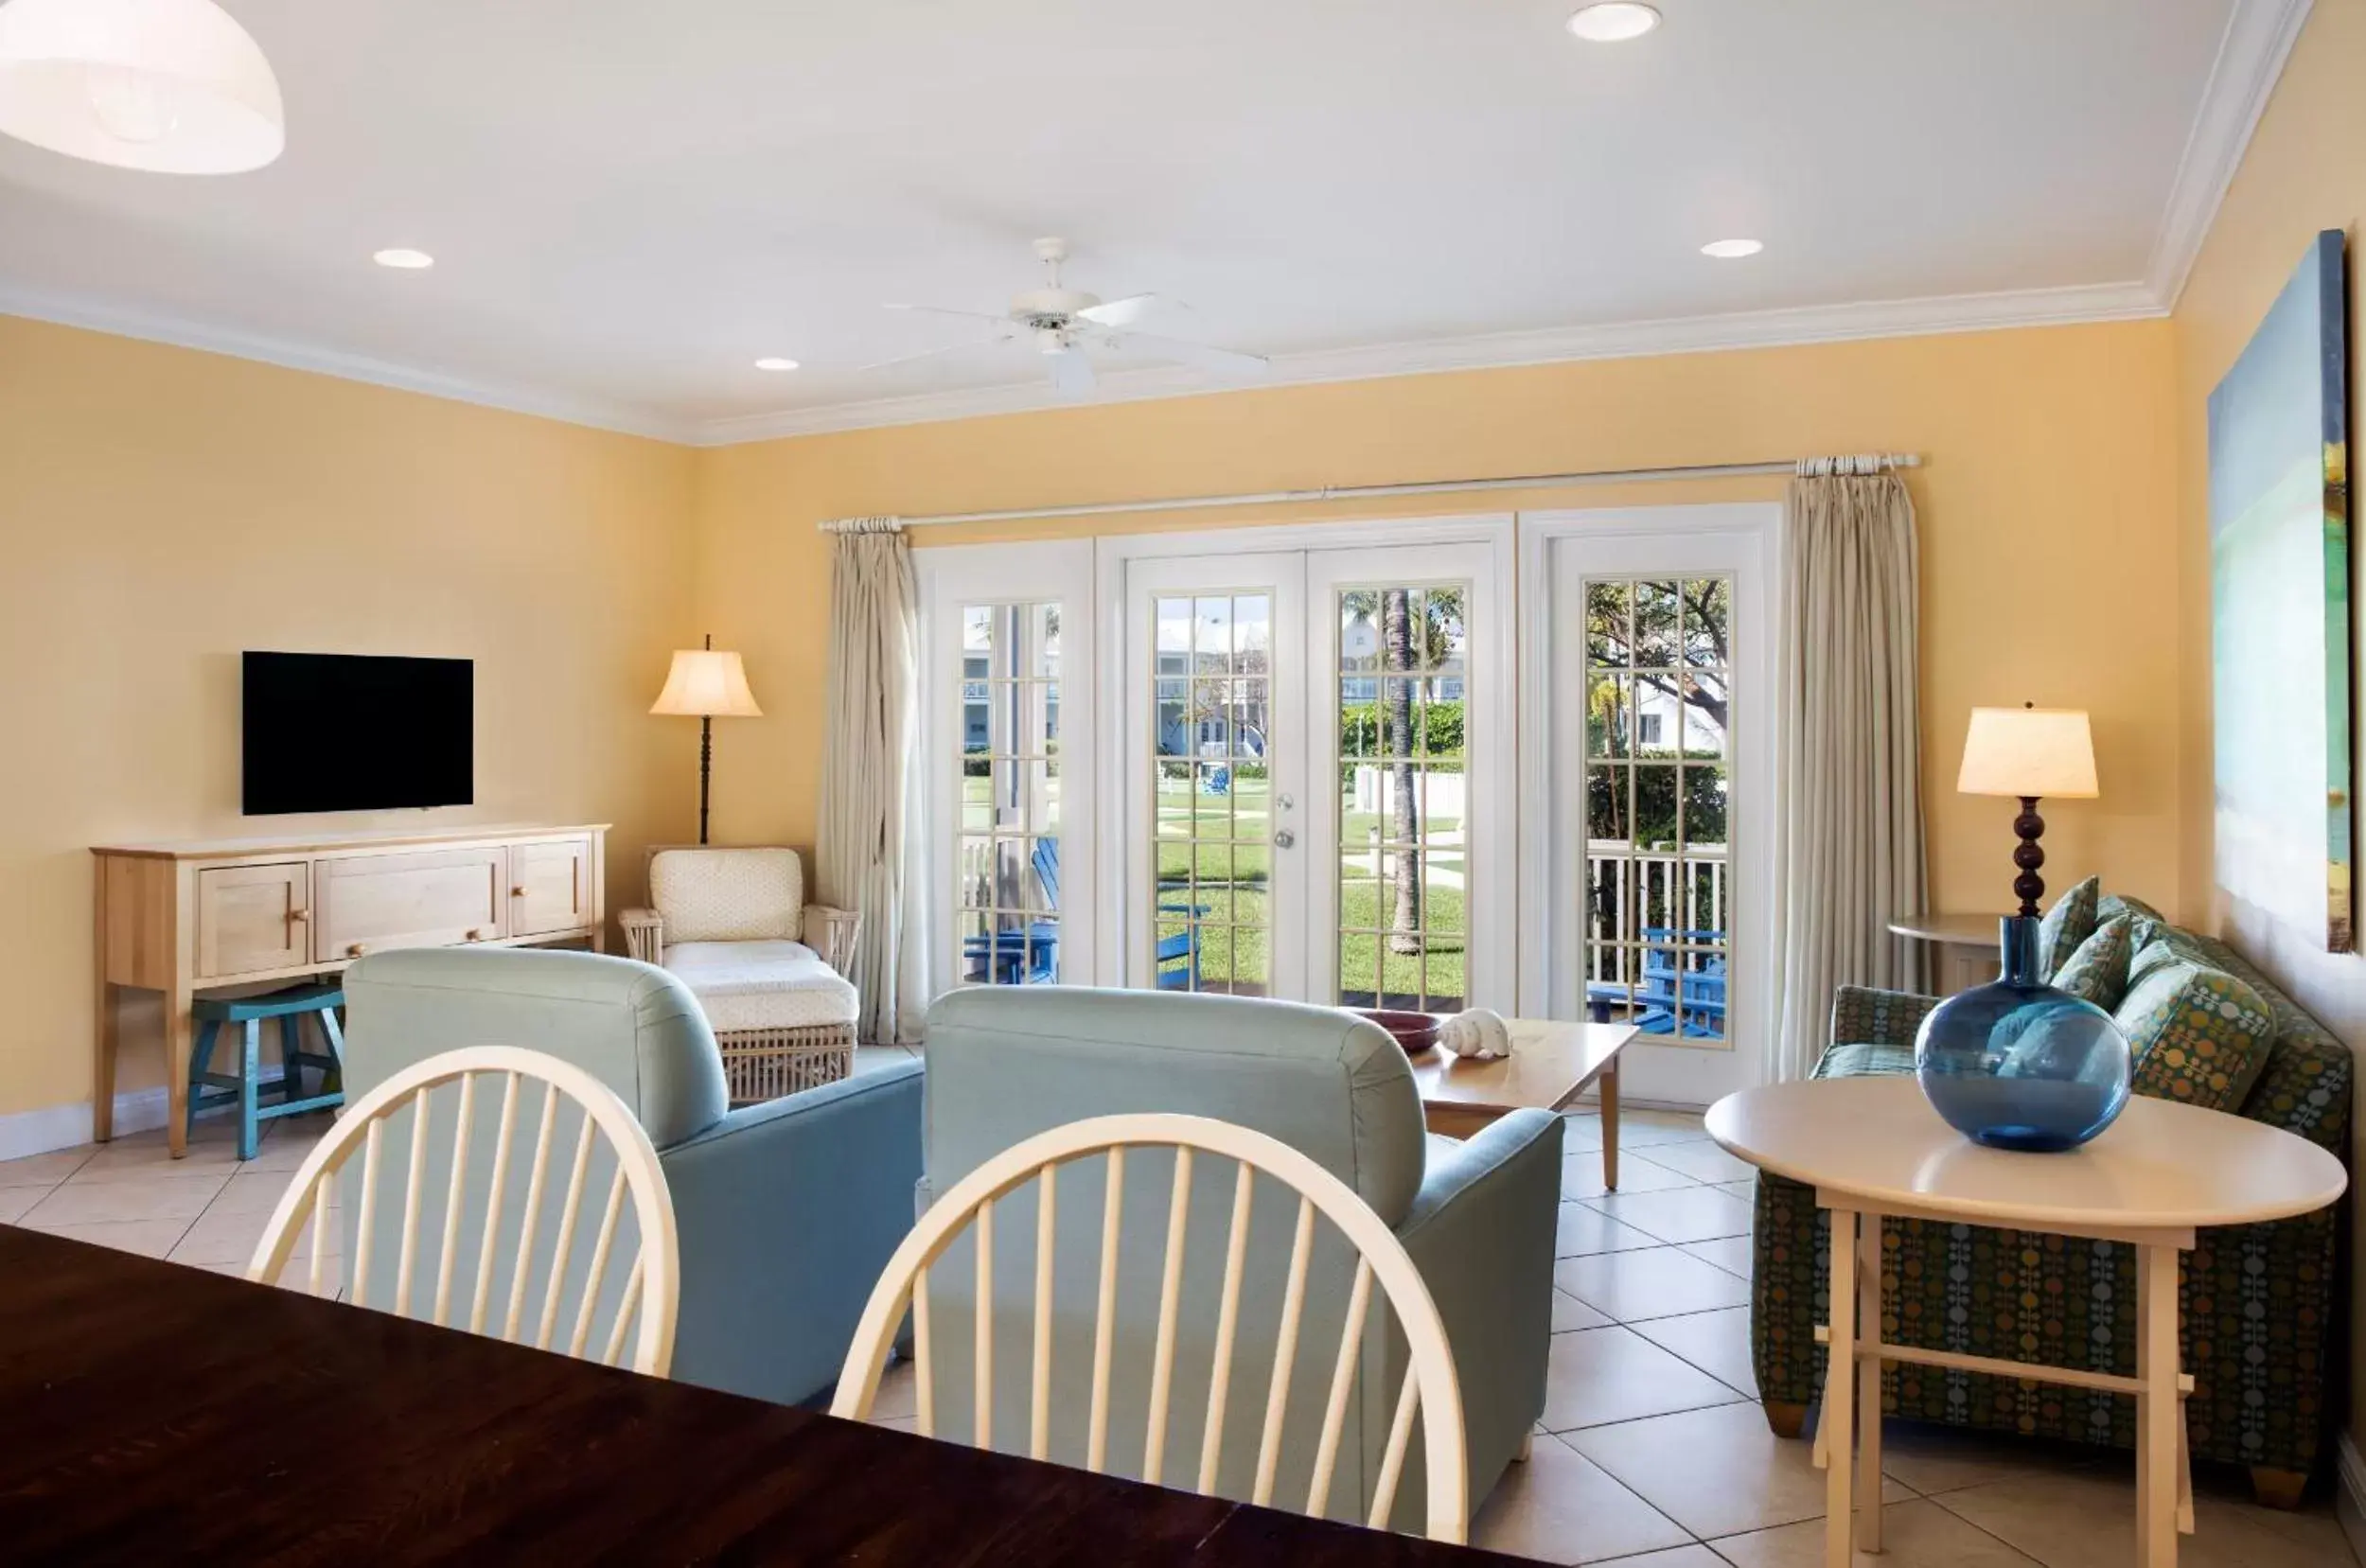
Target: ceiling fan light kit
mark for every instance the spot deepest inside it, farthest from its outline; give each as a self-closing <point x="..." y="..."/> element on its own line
<point x="1060" y="323"/>
<point x="170" y="86"/>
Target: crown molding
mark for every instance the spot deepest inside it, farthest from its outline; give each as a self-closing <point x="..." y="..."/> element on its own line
<point x="2252" y="54"/>
<point x="179" y="332"/>
<point x="1491" y="351"/>
<point x="2258" y="40"/>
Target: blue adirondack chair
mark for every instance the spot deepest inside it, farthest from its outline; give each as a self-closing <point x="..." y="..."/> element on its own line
<point x="1702" y="989"/>
<point x="1029" y="957"/>
<point x="1666" y="982"/>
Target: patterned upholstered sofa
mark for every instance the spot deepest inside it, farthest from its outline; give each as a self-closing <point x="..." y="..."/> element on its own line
<point x="2262" y="1337"/>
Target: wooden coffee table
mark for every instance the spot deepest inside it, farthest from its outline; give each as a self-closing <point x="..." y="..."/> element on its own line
<point x="1551" y="1063"/>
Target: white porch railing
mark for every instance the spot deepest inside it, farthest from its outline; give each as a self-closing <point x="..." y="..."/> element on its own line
<point x="1629" y="888"/>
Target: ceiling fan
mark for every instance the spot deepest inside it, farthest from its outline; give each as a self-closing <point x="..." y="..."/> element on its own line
<point x="1060" y="323"/>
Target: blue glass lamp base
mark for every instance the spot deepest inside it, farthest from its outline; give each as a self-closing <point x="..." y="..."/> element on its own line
<point x="2018" y="1065"/>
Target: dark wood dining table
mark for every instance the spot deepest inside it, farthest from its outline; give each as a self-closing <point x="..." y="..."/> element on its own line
<point x="151" y="1413"/>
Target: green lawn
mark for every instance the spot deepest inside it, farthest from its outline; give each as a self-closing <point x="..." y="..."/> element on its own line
<point x="1231" y="838"/>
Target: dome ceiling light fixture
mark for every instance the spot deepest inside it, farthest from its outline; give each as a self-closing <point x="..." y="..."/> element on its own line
<point x="1732" y="250"/>
<point x="170" y="86"/>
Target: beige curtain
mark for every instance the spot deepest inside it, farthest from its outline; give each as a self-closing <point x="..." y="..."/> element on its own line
<point x="1849" y="811"/>
<point x="867" y="857"/>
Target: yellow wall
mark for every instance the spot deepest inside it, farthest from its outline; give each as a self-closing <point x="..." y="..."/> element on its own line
<point x="161" y="510"/>
<point x="2046" y="506"/>
<point x="2298" y="178"/>
<point x="165" y="509"/>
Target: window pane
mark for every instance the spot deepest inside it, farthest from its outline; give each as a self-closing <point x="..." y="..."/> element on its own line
<point x="1212" y="637"/>
<point x="1705" y="715"/>
<point x="1708" y="617"/>
<point x="1252" y="634"/>
<point x="1173" y="621"/>
<point x="1607" y="607"/>
<point x="1654" y="625"/>
<point x="1610" y="717"/>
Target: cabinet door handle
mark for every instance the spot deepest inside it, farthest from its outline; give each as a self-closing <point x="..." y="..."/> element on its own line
<point x="476" y="933"/>
<point x="299" y="914"/>
<point x="516" y="892"/>
<point x="353" y="950"/>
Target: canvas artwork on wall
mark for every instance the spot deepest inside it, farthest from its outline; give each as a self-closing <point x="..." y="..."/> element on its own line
<point x="2280" y="608"/>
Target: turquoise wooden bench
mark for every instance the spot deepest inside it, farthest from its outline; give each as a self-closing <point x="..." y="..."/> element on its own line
<point x="210" y="1091"/>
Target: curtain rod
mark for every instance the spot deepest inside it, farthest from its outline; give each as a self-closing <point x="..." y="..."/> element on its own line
<point x="1866" y="464"/>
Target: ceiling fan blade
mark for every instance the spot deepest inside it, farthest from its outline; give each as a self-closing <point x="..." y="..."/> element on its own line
<point x="943" y="311"/>
<point x="1132" y="308"/>
<point x="1224" y="361"/>
<point x="994" y="342"/>
<point x="1071" y="374"/>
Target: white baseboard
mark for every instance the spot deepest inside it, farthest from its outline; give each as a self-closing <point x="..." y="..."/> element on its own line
<point x="2349" y="1501"/>
<point x="55" y="1127"/>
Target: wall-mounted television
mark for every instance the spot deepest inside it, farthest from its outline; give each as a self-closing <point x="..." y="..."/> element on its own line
<point x="335" y="732"/>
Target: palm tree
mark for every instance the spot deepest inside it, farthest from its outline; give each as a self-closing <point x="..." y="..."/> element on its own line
<point x="1397" y="639"/>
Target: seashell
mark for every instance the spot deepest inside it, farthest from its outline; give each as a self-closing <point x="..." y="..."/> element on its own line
<point x="1480" y="1032"/>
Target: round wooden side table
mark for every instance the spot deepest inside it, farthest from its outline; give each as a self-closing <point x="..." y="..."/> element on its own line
<point x="1872" y="1148"/>
<point x="1966" y="943"/>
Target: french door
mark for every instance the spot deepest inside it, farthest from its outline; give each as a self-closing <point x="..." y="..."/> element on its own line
<point x="1007" y="764"/>
<point x="1647" y="797"/>
<point x="1317" y="776"/>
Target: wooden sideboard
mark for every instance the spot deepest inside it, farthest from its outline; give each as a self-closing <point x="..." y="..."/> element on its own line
<point x="181" y="918"/>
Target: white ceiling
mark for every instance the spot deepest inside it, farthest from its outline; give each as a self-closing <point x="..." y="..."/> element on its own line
<point x="629" y="203"/>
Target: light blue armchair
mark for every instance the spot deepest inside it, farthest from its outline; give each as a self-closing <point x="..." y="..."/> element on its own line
<point x="786" y="1210"/>
<point x="1477" y="1217"/>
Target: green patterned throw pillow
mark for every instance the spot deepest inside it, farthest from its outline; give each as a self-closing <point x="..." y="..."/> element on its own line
<point x="2165" y="947"/>
<point x="2098" y="972"/>
<point x="2071" y="922"/>
<point x="2121" y="904"/>
<point x="2199" y="1035"/>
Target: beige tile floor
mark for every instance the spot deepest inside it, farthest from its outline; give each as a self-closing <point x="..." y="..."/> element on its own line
<point x="1654" y="1454"/>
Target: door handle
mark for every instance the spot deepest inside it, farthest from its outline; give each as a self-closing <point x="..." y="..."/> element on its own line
<point x="1283" y="838"/>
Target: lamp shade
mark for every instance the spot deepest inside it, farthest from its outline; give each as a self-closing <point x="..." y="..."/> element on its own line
<point x="2028" y="751"/>
<point x="174" y="86"/>
<point x="707" y="683"/>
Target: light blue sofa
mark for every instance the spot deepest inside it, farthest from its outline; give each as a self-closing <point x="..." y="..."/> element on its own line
<point x="786" y="1210"/>
<point x="1006" y="1062"/>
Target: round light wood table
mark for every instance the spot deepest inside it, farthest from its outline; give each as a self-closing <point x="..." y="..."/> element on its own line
<point x="1967" y="945"/>
<point x="1873" y="1148"/>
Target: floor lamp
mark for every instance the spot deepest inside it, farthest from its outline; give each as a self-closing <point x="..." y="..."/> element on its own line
<point x="707" y="685"/>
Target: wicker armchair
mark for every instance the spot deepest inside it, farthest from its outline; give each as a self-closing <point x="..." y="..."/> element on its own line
<point x="728" y="922"/>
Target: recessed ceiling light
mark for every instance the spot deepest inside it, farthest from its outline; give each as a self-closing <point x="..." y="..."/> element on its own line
<point x="776" y="364"/>
<point x="1613" y="21"/>
<point x="406" y="259"/>
<point x="1731" y="250"/>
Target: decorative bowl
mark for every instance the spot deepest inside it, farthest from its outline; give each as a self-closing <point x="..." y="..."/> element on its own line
<point x="1414" y="1032"/>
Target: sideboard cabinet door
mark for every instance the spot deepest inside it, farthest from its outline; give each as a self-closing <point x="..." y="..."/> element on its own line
<point x="252" y="918"/>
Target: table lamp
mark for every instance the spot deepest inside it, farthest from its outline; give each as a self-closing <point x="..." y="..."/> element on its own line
<point x="709" y="685"/>
<point x="2017" y="1063"/>
<point x="2028" y="752"/>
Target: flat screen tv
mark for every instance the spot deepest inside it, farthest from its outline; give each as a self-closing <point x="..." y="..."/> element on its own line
<point x="334" y="731"/>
